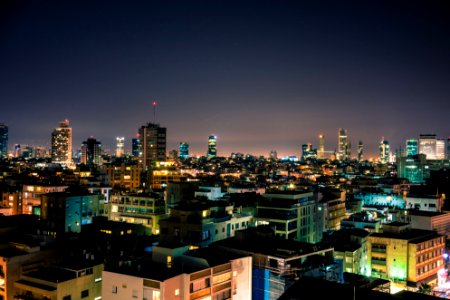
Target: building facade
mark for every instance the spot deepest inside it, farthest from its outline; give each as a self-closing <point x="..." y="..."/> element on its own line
<point x="152" y="143"/>
<point x="145" y="208"/>
<point x="3" y="140"/>
<point x="62" y="144"/>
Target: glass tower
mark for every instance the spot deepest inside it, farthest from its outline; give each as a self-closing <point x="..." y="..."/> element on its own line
<point x="184" y="150"/>
<point x="212" y="147"/>
<point x="3" y="140"/>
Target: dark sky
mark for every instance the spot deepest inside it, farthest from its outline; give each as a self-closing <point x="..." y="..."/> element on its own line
<point x="261" y="75"/>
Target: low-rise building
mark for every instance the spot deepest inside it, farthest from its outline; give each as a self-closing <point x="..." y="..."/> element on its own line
<point x="171" y="273"/>
<point x="202" y="222"/>
<point x="138" y="208"/>
<point x="75" y="279"/>
<point x="407" y="256"/>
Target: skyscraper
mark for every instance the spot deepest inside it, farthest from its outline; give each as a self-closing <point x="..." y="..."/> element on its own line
<point x="411" y="147"/>
<point x="3" y="140"/>
<point x="360" y="151"/>
<point x="427" y="145"/>
<point x="153" y="143"/>
<point x="184" y="150"/>
<point x="440" y="149"/>
<point x="135" y="145"/>
<point x="447" y="149"/>
<point x="91" y="152"/>
<point x="321" y="151"/>
<point x="62" y="144"/>
<point x="385" y="151"/>
<point x="343" y="145"/>
<point x="120" y="146"/>
<point x="212" y="147"/>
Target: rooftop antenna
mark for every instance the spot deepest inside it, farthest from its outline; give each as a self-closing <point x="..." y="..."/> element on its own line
<point x="154" y="111"/>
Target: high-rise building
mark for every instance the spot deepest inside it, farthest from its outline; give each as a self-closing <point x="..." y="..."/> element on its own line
<point x="62" y="144"/>
<point x="3" y="140"/>
<point x="385" y="151"/>
<point x="412" y="147"/>
<point x="273" y="155"/>
<point x="321" y="150"/>
<point x="343" y="145"/>
<point x="152" y="143"/>
<point x="184" y="150"/>
<point x="135" y="142"/>
<point x="440" y="149"/>
<point x="360" y="151"/>
<point x="212" y="147"/>
<point x="91" y="152"/>
<point x="427" y="145"/>
<point x="17" y="150"/>
<point x="308" y="152"/>
<point x="120" y="146"/>
<point x="447" y="149"/>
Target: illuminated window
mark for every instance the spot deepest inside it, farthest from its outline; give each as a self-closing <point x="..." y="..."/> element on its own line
<point x="156" y="295"/>
<point x="177" y="292"/>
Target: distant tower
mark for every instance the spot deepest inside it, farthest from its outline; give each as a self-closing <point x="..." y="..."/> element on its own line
<point x="153" y="143"/>
<point x="3" y="140"/>
<point x="184" y="150"/>
<point x="306" y="149"/>
<point x="135" y="147"/>
<point x="427" y="145"/>
<point x="440" y="149"/>
<point x="212" y="147"/>
<point x="360" y="151"/>
<point x="411" y="147"/>
<point x="273" y="155"/>
<point x="62" y="144"/>
<point x="448" y="148"/>
<point x="120" y="146"/>
<point x="343" y="145"/>
<point x="385" y="151"/>
<point x="17" y="150"/>
<point x="321" y="152"/>
<point x="91" y="152"/>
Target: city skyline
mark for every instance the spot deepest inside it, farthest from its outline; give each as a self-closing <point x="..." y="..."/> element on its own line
<point x="261" y="76"/>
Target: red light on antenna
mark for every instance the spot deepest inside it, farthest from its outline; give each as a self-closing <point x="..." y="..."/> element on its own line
<point x="154" y="103"/>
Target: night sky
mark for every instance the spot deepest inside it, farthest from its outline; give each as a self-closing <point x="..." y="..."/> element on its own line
<point x="261" y="75"/>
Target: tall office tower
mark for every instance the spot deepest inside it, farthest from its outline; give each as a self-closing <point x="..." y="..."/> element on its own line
<point x="321" y="150"/>
<point x="91" y="152"/>
<point x="440" y="149"/>
<point x="273" y="155"/>
<point x="153" y="143"/>
<point x="343" y="145"/>
<point x="385" y="151"/>
<point x="360" y="151"/>
<point x="447" y="148"/>
<point x="411" y="147"/>
<point x="120" y="146"/>
<point x="184" y="150"/>
<point x="306" y="149"/>
<point x="17" y="150"/>
<point x="135" y="142"/>
<point x="3" y="140"/>
<point x="212" y="147"/>
<point x="427" y="145"/>
<point x="62" y="144"/>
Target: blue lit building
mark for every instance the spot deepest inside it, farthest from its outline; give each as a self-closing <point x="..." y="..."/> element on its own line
<point x="64" y="212"/>
<point x="184" y="150"/>
<point x="412" y="147"/>
<point x="3" y="140"/>
<point x="135" y="147"/>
